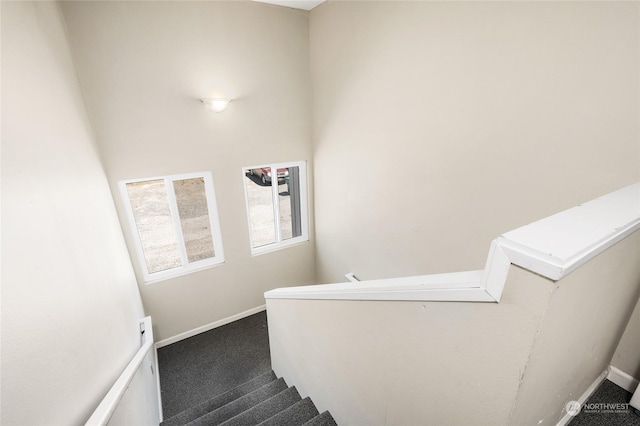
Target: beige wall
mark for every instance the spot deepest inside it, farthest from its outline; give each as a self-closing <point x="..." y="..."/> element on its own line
<point x="424" y="115"/>
<point x="143" y="67"/>
<point x="408" y="363"/>
<point x="70" y="304"/>
<point x="582" y="326"/>
<point x="439" y="125"/>
<point x="627" y="356"/>
<point x="516" y="362"/>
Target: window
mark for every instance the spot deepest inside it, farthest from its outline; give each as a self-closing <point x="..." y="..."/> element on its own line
<point x="276" y="197"/>
<point x="175" y="223"/>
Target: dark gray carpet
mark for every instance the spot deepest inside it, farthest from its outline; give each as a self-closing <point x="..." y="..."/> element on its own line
<point x="298" y="414"/>
<point x="272" y="404"/>
<point x="596" y="412"/>
<point x="204" y="366"/>
<point x="219" y="401"/>
<point x="241" y="404"/>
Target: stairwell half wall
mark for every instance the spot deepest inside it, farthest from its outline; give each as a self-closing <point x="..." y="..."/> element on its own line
<point x="450" y="363"/>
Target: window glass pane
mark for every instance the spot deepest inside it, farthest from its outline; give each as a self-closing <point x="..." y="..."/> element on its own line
<point x="260" y="205"/>
<point x="155" y="225"/>
<point x="289" y="198"/>
<point x="194" y="218"/>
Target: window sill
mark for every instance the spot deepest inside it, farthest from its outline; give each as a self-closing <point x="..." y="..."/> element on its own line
<point x="179" y="272"/>
<point x="278" y="246"/>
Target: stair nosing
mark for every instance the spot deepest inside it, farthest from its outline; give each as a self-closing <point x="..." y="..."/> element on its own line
<point x="324" y="413"/>
<point x="303" y="401"/>
<point x="276" y="383"/>
<point x="265" y="403"/>
<point x="179" y="418"/>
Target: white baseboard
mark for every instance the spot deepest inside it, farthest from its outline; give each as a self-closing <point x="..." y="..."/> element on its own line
<point x="157" y="371"/>
<point x="211" y="326"/>
<point x="613" y="374"/>
<point x="622" y="379"/>
<point x="585" y="396"/>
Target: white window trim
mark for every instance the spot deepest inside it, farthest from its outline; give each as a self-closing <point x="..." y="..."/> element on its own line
<point x="214" y="223"/>
<point x="304" y="213"/>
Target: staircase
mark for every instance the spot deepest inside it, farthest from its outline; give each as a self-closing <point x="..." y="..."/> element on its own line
<point x="264" y="401"/>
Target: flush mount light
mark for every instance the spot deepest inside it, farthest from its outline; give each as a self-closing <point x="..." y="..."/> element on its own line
<point x="215" y="104"/>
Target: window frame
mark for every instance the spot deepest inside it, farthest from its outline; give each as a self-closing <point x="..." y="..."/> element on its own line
<point x="214" y="222"/>
<point x="280" y="244"/>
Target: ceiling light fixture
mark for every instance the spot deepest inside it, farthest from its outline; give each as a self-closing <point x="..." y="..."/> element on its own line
<point x="215" y="104"/>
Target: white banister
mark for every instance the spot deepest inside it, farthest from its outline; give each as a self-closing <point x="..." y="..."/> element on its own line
<point x="552" y="247"/>
<point x="107" y="407"/>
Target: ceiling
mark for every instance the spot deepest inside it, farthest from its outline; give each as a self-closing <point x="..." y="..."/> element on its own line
<point x="296" y="4"/>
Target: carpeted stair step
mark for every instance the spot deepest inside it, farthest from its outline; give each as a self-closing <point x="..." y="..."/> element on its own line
<point x="266" y="409"/>
<point x="296" y="415"/>
<point x="241" y="404"/>
<point x="214" y="403"/>
<point x="324" y="419"/>
<point x="263" y="401"/>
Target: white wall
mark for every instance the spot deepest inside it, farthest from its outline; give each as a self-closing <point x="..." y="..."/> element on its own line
<point x="70" y="304"/>
<point x="439" y="125"/>
<point x="144" y="66"/>
<point x="517" y="362"/>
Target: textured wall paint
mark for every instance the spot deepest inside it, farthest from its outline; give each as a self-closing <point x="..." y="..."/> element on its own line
<point x="144" y="66"/>
<point x="517" y="362"/>
<point x="70" y="303"/>
<point x="439" y="125"/>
